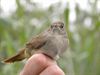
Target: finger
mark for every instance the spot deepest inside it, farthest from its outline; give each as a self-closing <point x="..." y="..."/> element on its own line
<point x="52" y="70"/>
<point x="36" y="64"/>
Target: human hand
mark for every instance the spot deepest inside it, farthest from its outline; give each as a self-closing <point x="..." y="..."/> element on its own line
<point x="40" y="64"/>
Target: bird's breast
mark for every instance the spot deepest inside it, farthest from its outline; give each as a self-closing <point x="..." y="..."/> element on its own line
<point x="61" y="43"/>
<point x="56" y="43"/>
<point x="54" y="46"/>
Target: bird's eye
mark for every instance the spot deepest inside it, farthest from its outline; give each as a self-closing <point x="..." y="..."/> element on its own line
<point x="61" y="26"/>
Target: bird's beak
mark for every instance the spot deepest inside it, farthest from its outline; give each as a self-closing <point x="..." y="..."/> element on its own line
<point x="56" y="30"/>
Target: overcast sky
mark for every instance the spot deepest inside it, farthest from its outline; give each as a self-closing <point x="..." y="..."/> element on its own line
<point x="9" y="6"/>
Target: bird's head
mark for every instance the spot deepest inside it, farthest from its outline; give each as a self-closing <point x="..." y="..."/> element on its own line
<point x="58" y="28"/>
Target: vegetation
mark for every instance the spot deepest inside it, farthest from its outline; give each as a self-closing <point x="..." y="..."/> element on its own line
<point x="83" y="56"/>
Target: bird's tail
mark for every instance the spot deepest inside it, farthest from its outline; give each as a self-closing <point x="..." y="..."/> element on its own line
<point x="18" y="57"/>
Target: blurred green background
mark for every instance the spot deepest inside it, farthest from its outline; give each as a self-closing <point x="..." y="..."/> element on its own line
<point x="29" y="19"/>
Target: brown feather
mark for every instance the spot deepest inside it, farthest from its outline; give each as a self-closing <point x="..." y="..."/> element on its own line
<point x="36" y="42"/>
<point x="18" y="57"/>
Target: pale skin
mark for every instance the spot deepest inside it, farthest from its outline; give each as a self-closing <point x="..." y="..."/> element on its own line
<point x="40" y="64"/>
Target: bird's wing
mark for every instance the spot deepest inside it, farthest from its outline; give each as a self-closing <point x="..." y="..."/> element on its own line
<point x="37" y="42"/>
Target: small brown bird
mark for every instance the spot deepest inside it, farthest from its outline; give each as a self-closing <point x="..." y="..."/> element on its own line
<point x="52" y="42"/>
